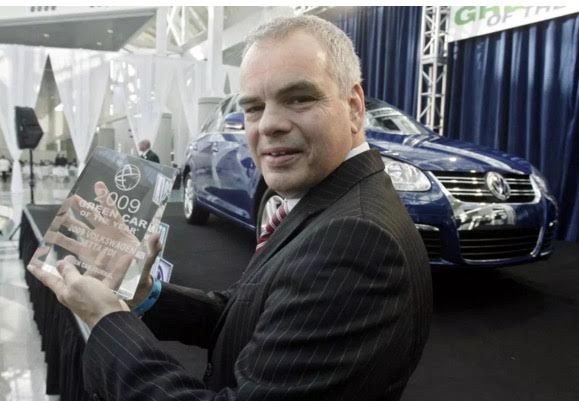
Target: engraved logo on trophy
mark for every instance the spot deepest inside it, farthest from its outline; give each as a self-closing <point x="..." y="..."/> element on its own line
<point x="127" y="177"/>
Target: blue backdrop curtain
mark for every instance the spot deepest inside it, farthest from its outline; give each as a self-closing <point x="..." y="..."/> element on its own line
<point x="387" y="39"/>
<point x="518" y="91"/>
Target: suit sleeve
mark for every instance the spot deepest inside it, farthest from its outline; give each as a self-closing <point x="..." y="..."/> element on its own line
<point x="336" y="325"/>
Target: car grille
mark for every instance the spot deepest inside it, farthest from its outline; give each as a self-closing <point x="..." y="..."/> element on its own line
<point x="500" y="243"/>
<point x="432" y="243"/>
<point x="471" y="187"/>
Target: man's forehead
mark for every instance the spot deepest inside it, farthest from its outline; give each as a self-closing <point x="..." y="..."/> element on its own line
<point x="270" y="69"/>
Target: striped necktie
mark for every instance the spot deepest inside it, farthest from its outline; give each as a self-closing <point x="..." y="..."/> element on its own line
<point x="272" y="224"/>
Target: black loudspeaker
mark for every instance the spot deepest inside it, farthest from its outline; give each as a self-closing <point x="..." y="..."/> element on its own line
<point x="28" y="131"/>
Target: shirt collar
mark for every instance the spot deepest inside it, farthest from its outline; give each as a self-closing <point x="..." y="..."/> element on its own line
<point x="292" y="202"/>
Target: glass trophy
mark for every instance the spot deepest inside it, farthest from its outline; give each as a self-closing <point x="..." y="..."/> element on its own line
<point x="104" y="224"/>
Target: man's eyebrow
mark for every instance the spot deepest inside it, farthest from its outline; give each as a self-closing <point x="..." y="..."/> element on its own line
<point x="298" y="86"/>
<point x="246" y="100"/>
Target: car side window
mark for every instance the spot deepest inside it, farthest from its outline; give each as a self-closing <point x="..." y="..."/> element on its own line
<point x="234" y="105"/>
<point x="389" y="120"/>
<point x="215" y="120"/>
<point x="389" y="125"/>
<point x="209" y="124"/>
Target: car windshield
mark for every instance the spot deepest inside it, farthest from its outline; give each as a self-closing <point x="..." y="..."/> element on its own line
<point x="380" y="116"/>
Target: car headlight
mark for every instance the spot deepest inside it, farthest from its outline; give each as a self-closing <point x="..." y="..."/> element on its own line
<point x="406" y="177"/>
<point x="539" y="181"/>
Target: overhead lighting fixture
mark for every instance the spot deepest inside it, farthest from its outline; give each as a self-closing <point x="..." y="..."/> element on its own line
<point x="46" y="35"/>
<point x="197" y="53"/>
<point x="99" y="44"/>
<point x="110" y="31"/>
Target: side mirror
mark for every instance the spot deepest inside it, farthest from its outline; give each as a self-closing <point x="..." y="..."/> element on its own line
<point x="234" y="122"/>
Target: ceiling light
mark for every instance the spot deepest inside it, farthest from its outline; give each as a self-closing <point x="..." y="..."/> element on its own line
<point x="99" y="44"/>
<point x="110" y="31"/>
<point x="197" y="53"/>
<point x="46" y="35"/>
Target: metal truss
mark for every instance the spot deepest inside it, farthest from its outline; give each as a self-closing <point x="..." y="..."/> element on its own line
<point x="433" y="62"/>
<point x="185" y="25"/>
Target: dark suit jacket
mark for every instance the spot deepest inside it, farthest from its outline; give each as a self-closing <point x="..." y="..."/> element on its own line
<point x="337" y="306"/>
<point x="151" y="156"/>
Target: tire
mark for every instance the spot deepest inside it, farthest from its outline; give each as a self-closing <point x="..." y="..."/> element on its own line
<point x="270" y="202"/>
<point x="193" y="211"/>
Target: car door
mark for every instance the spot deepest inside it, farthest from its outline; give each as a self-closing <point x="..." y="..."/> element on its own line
<point x="202" y="169"/>
<point x="203" y="149"/>
<point x="234" y="169"/>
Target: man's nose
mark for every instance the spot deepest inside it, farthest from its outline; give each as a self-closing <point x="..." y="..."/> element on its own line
<point x="274" y="121"/>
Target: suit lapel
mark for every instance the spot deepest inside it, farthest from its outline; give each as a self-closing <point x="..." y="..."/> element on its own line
<point x="333" y="187"/>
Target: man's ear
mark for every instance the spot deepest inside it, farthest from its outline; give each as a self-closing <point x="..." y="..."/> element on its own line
<point x="357" y="108"/>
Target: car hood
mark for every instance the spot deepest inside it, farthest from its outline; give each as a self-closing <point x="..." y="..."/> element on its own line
<point x="436" y="153"/>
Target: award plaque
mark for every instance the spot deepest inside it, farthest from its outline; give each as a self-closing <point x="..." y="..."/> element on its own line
<point x="104" y="224"/>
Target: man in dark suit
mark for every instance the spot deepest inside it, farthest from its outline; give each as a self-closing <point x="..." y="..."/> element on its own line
<point x="335" y="305"/>
<point x="146" y="152"/>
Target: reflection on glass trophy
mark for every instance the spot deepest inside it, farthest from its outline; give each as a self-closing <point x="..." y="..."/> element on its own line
<point x="104" y="224"/>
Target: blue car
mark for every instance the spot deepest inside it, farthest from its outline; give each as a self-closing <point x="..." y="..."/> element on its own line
<point x="473" y="206"/>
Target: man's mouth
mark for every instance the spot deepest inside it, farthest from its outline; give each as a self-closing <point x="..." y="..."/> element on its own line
<point x="279" y="157"/>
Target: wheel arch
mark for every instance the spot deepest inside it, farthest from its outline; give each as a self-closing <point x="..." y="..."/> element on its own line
<point x="186" y="170"/>
<point x="260" y="190"/>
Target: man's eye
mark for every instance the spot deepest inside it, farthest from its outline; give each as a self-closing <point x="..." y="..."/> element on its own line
<point x="301" y="99"/>
<point x="253" y="109"/>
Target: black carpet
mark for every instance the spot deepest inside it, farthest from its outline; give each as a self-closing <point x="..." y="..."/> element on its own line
<point x="499" y="335"/>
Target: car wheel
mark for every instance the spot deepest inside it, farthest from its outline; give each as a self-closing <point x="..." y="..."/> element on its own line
<point x="270" y="202"/>
<point x="194" y="213"/>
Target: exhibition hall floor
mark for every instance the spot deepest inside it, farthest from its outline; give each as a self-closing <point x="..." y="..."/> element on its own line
<point x="501" y="335"/>
<point x="22" y="366"/>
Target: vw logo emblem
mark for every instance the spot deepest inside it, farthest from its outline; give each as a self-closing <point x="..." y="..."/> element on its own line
<point x="127" y="177"/>
<point x="498" y="186"/>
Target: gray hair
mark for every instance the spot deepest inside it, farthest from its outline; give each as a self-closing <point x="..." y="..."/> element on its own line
<point x="344" y="64"/>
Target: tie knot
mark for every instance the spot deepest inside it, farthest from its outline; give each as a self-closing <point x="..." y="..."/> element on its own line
<point x="274" y="221"/>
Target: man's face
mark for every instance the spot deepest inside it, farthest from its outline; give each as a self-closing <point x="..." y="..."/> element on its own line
<point x="299" y="126"/>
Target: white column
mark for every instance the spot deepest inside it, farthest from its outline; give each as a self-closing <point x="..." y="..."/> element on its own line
<point x="161" y="30"/>
<point x="215" y="51"/>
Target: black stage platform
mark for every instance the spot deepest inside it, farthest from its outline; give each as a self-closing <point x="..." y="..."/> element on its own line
<point x="501" y="335"/>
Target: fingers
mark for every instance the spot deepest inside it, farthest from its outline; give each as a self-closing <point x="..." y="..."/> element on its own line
<point x="41" y="251"/>
<point x="118" y="270"/>
<point x="70" y="245"/>
<point x="67" y="270"/>
<point x="155" y="245"/>
<point x="52" y="281"/>
<point x="154" y="249"/>
<point x="70" y="222"/>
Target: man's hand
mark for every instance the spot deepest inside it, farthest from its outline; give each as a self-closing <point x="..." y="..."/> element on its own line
<point x="87" y="297"/>
<point x="146" y="281"/>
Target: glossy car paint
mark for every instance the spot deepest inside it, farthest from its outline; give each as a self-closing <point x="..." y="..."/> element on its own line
<point x="228" y="184"/>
